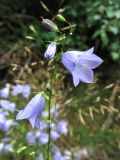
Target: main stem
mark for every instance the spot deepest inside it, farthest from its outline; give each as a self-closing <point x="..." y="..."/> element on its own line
<point x="49" y="129"/>
<point x="49" y="117"/>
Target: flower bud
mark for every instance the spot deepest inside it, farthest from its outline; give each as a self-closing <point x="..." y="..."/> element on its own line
<point x="61" y="18"/>
<point x="49" y="25"/>
<point x="50" y="51"/>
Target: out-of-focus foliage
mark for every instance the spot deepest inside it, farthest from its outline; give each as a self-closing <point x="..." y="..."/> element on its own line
<point x="99" y="22"/>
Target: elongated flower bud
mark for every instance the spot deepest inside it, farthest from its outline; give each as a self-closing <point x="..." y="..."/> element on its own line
<point x="49" y="25"/>
<point x="50" y="51"/>
<point x="61" y="18"/>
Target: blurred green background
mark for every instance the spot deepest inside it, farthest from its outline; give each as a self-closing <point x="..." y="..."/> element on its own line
<point x="95" y="107"/>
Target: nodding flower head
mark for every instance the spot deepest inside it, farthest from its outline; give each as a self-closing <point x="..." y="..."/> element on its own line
<point x="33" y="111"/>
<point x="80" y="65"/>
<point x="50" y="51"/>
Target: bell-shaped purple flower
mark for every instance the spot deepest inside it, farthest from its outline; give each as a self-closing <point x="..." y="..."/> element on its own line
<point x="4" y="93"/>
<point x="26" y="91"/>
<point x="5" y="148"/>
<point x="31" y="138"/>
<point x="7" y="105"/>
<point x="2" y="121"/>
<point x="6" y="124"/>
<point x="33" y="111"/>
<point x="57" y="155"/>
<point x="23" y="89"/>
<point x="54" y="135"/>
<point x="50" y="51"/>
<point x="61" y="127"/>
<point x="43" y="139"/>
<point x="43" y="125"/>
<point x="80" y="65"/>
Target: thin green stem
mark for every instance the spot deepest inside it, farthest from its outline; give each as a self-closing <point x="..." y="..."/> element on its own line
<point x="49" y="128"/>
<point x="52" y="76"/>
<point x="49" y="116"/>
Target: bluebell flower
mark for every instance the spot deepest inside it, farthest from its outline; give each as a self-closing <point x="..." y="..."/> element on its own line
<point x="4" y="112"/>
<point x="6" y="147"/>
<point x="6" y="140"/>
<point x="7" y="105"/>
<point x="2" y="121"/>
<point x="37" y="133"/>
<point x="54" y="135"/>
<point x="31" y="138"/>
<point x="23" y="89"/>
<point x="57" y="155"/>
<point x="61" y="127"/>
<point x="33" y="111"/>
<point x="4" y="92"/>
<point x="43" y="139"/>
<point x="53" y="111"/>
<point x="50" y="51"/>
<point x="43" y="125"/>
<point x="5" y="124"/>
<point x="17" y="89"/>
<point x="26" y="91"/>
<point x="80" y="65"/>
<point x="8" y="124"/>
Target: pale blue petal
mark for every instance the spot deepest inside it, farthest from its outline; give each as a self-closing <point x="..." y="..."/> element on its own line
<point x="21" y="115"/>
<point x="39" y="106"/>
<point x="33" y="120"/>
<point x="30" y="108"/>
<point x="76" y="79"/>
<point x="38" y="123"/>
<point x="54" y="135"/>
<point x="85" y="74"/>
<point x="71" y="55"/>
<point x="90" y="60"/>
<point x="89" y="51"/>
<point x="66" y="60"/>
<point x="61" y="127"/>
<point x="30" y="136"/>
<point x="4" y="93"/>
<point x="35" y="116"/>
<point x="43" y="139"/>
